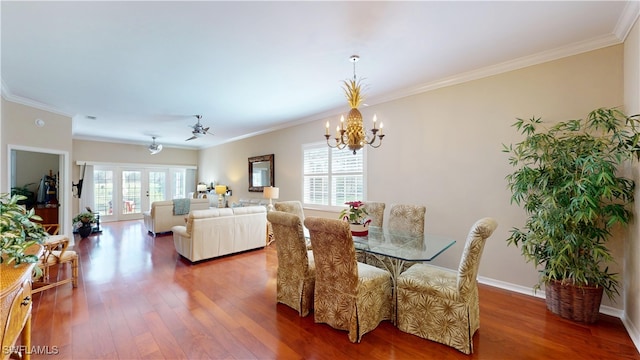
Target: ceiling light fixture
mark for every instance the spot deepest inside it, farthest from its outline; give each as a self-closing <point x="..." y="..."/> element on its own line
<point x="354" y="136"/>
<point x="155" y="148"/>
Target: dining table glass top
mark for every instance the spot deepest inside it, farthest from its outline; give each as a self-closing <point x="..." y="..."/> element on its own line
<point x="383" y="242"/>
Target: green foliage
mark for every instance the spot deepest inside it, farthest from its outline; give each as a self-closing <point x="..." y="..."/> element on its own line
<point x="84" y="218"/>
<point x="566" y="179"/>
<point x="18" y="231"/>
<point x="355" y="214"/>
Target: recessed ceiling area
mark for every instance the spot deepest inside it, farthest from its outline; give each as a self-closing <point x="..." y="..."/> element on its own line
<point x="128" y="71"/>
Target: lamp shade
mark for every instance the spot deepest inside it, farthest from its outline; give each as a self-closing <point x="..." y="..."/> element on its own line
<point x="221" y="189"/>
<point x="202" y="187"/>
<point x="270" y="192"/>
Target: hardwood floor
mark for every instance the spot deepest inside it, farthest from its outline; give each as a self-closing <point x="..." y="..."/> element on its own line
<point x="137" y="299"/>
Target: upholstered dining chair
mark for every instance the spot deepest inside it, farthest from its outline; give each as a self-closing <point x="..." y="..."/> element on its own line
<point x="348" y="295"/>
<point x="296" y="269"/>
<point x="292" y="207"/>
<point x="375" y="211"/>
<point x="407" y="219"/>
<point x="55" y="253"/>
<point x="442" y="305"/>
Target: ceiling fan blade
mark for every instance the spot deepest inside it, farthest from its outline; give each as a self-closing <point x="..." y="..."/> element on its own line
<point x="191" y="138"/>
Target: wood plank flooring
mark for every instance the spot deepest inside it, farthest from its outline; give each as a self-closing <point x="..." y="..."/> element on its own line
<point x="137" y="299"/>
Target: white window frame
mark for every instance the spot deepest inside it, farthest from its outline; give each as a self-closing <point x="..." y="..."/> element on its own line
<point x="331" y="207"/>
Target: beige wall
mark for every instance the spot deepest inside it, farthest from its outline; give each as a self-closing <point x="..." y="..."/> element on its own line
<point x="18" y="130"/>
<point x="106" y="152"/>
<point x="443" y="150"/>
<point x="112" y="153"/>
<point x="632" y="246"/>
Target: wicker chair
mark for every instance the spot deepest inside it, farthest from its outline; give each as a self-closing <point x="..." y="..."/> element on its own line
<point x="348" y="295"/>
<point x="296" y="268"/>
<point x="55" y="253"/>
<point x="442" y="305"/>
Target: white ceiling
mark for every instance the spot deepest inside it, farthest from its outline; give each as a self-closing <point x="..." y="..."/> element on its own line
<point x="144" y="68"/>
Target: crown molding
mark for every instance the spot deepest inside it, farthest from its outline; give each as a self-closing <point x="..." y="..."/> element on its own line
<point x="627" y="19"/>
<point x="7" y="95"/>
<point x="523" y="62"/>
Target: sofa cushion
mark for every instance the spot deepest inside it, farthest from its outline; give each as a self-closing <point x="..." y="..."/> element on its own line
<point x="204" y="214"/>
<point x="248" y="210"/>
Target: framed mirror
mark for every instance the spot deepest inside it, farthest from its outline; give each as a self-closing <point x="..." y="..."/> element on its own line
<point x="261" y="172"/>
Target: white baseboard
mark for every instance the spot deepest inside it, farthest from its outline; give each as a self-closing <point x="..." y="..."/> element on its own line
<point x="633" y="332"/>
<point x="607" y="310"/>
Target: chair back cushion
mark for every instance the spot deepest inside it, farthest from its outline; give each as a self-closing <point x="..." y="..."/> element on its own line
<point x="375" y="211"/>
<point x="470" y="260"/>
<point x="290" y="244"/>
<point x="293" y="261"/>
<point x="407" y="219"/>
<point x="336" y="271"/>
<point x="292" y="207"/>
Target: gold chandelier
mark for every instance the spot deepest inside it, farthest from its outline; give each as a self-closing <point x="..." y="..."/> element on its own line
<point x="354" y="136"/>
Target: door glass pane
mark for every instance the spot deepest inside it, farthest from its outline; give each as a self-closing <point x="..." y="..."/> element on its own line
<point x="103" y="192"/>
<point x="131" y="191"/>
<point x="157" y="186"/>
<point x="179" y="184"/>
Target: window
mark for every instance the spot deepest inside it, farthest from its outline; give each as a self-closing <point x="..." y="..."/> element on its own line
<point x="331" y="176"/>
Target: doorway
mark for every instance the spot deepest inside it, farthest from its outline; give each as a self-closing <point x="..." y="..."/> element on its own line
<point x="28" y="166"/>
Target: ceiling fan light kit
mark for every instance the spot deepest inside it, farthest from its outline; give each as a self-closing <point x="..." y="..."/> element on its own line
<point x="198" y="129"/>
<point x="155" y="148"/>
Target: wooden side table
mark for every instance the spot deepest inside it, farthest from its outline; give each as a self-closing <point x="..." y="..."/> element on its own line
<point x="15" y="307"/>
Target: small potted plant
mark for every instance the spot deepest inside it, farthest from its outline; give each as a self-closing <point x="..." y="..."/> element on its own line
<point x="84" y="223"/>
<point x="18" y="231"/>
<point x="357" y="218"/>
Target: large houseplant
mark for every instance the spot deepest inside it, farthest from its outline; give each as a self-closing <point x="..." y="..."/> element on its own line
<point x="18" y="231"/>
<point x="566" y="177"/>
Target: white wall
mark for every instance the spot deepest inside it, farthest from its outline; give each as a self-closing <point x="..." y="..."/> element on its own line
<point x="631" y="261"/>
<point x="443" y="150"/>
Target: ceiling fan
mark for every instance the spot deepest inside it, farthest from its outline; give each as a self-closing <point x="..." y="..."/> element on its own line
<point x="155" y="148"/>
<point x="198" y="129"/>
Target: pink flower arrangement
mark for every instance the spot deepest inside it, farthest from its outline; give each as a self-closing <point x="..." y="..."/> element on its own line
<point x="355" y="214"/>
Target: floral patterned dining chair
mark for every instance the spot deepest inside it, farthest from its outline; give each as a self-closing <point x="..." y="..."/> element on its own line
<point x="375" y="212"/>
<point x="348" y="295"/>
<point x="292" y="207"/>
<point x="296" y="269"/>
<point x="407" y="219"/>
<point x="443" y="305"/>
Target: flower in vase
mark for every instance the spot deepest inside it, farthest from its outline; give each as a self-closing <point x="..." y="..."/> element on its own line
<point x="355" y="214"/>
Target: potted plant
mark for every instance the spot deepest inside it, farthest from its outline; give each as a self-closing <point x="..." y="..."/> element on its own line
<point x="29" y="196"/>
<point x="356" y="216"/>
<point x="18" y="231"/>
<point x="84" y="223"/>
<point x="566" y="177"/>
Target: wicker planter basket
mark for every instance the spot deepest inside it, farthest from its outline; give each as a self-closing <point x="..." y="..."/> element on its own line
<point x="575" y="303"/>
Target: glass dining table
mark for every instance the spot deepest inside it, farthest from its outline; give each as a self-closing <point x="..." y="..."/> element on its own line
<point x="399" y="249"/>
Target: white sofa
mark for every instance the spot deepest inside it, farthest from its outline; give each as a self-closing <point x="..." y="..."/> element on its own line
<point x="161" y="218"/>
<point x="217" y="232"/>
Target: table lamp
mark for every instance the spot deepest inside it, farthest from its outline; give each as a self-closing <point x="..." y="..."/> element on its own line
<point x="221" y="190"/>
<point x="201" y="189"/>
<point x="270" y="192"/>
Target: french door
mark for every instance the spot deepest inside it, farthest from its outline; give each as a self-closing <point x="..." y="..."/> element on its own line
<point x="125" y="193"/>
